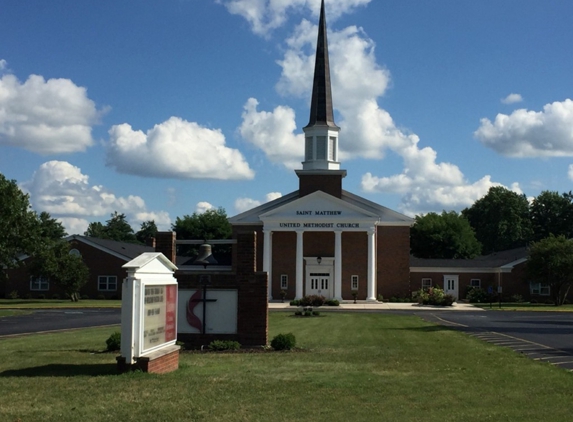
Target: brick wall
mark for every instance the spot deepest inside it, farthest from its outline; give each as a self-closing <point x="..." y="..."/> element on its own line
<point x="331" y="184"/>
<point x="393" y="272"/>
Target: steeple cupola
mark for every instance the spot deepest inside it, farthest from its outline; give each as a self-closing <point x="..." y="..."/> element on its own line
<point x="321" y="133"/>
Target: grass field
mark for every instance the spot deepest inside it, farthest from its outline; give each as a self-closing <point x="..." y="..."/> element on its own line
<point x="512" y="306"/>
<point x="55" y="303"/>
<point x="352" y="367"/>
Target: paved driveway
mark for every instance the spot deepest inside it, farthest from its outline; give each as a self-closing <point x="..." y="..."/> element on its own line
<point x="544" y="336"/>
<point x="57" y="319"/>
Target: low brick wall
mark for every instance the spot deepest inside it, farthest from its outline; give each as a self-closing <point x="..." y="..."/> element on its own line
<point x="160" y="362"/>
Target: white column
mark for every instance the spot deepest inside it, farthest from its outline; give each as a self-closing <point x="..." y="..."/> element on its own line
<point x="299" y="264"/>
<point x="267" y="259"/>
<point x="338" y="265"/>
<point x="371" y="265"/>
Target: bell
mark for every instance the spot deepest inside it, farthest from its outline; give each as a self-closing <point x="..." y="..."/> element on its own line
<point x="205" y="256"/>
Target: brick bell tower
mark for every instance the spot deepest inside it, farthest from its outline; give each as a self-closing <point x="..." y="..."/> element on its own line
<point x="321" y="168"/>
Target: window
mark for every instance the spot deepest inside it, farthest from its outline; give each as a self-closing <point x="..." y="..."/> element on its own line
<point x="107" y="283"/>
<point x="39" y="283"/>
<point x="354" y="282"/>
<point x="321" y="147"/>
<point x="284" y="281"/>
<point x="426" y="283"/>
<point x="541" y="289"/>
<point x="331" y="148"/>
<point x="308" y="149"/>
<point x="75" y="252"/>
<point x="475" y="283"/>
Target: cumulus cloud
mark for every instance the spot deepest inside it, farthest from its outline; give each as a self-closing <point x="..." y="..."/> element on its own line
<point x="245" y="204"/>
<point x="64" y="191"/>
<point x="570" y="172"/>
<point x="45" y="117"/>
<point x="175" y="148"/>
<point x="266" y="15"/>
<point x="512" y="99"/>
<point x="525" y="133"/>
<point x="3" y="65"/>
<point x="273" y="133"/>
<point x="203" y="207"/>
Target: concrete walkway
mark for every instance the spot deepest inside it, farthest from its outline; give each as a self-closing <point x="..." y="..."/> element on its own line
<point x="386" y="306"/>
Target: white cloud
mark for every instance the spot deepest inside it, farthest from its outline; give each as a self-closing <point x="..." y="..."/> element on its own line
<point x="74" y="225"/>
<point x="524" y="133"/>
<point x="266" y="15"/>
<point x="202" y="207"/>
<point x="570" y="172"/>
<point x="3" y="65"/>
<point x="161" y="219"/>
<point x="274" y="133"/>
<point x="512" y="99"/>
<point x="61" y="189"/>
<point x="245" y="204"/>
<point x="176" y="149"/>
<point x="45" y="117"/>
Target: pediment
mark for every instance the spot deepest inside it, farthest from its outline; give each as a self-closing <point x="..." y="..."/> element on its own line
<point x="318" y="206"/>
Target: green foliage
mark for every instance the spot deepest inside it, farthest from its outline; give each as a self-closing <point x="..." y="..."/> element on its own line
<point x="380" y="298"/>
<point x="295" y="302"/>
<point x="433" y="296"/>
<point x="550" y="261"/>
<point x="69" y="272"/>
<point x="13" y="294"/>
<point x="147" y="231"/>
<point x="312" y="300"/>
<point x="443" y="236"/>
<point x="552" y="213"/>
<point x="116" y="228"/>
<point x="114" y="342"/>
<point x="332" y="302"/>
<point x="478" y="295"/>
<point x="212" y="224"/>
<point x="500" y="220"/>
<point x="221" y="345"/>
<point x="283" y="341"/>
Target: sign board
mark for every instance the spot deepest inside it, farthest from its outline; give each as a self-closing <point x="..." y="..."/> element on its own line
<point x="148" y="307"/>
<point x="221" y="308"/>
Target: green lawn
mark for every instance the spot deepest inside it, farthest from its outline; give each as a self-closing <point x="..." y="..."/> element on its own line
<point x="538" y="307"/>
<point x="54" y="303"/>
<point x="353" y="367"/>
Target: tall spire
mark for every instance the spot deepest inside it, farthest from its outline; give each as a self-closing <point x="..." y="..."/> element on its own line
<point x="321" y="112"/>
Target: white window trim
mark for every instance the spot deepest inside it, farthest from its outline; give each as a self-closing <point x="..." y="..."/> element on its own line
<point x="284" y="281"/>
<point x="541" y="289"/>
<point x="354" y="282"/>
<point x="40" y="281"/>
<point x="425" y="284"/>
<point x="478" y="280"/>
<point x="107" y="277"/>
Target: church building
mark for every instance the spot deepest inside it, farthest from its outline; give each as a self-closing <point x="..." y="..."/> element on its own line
<point x="321" y="239"/>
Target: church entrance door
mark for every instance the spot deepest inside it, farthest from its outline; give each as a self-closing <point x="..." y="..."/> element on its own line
<point x="319" y="284"/>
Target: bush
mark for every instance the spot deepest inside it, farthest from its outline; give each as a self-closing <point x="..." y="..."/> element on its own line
<point x="315" y="313"/>
<point x="55" y="296"/>
<point x="101" y="297"/>
<point x="380" y="298"/>
<point x="42" y="296"/>
<point x="477" y="295"/>
<point x="85" y="297"/>
<point x="517" y="298"/>
<point x="433" y="296"/>
<point x="114" y="342"/>
<point x="332" y="302"/>
<point x="13" y="294"/>
<point x="283" y="341"/>
<point x="295" y="302"/>
<point x="312" y="300"/>
<point x="220" y="345"/>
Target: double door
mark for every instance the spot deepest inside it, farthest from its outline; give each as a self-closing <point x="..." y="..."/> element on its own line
<point x="319" y="284"/>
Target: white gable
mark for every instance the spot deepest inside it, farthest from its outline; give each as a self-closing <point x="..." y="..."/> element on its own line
<point x="150" y="263"/>
<point x="319" y="211"/>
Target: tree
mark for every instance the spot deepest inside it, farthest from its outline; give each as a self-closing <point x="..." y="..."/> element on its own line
<point x="65" y="270"/>
<point x="148" y="230"/>
<point x="212" y="224"/>
<point x="552" y="213"/>
<point x="116" y="228"/>
<point x="550" y="261"/>
<point x="500" y="220"/>
<point x="19" y="225"/>
<point x="50" y="228"/>
<point x="446" y="236"/>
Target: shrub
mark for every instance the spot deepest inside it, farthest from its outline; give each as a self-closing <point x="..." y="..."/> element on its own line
<point x="477" y="295"/>
<point x="312" y="300"/>
<point x="220" y="345"/>
<point x="55" y="296"/>
<point x="283" y="341"/>
<point x="433" y="296"/>
<point x="101" y="297"/>
<point x="295" y="302"/>
<point x="114" y="342"/>
<point x="85" y="297"/>
<point x="315" y="313"/>
<point x="380" y="298"/>
<point x="13" y="294"/>
<point x="42" y="296"/>
<point x="517" y="298"/>
<point x="332" y="302"/>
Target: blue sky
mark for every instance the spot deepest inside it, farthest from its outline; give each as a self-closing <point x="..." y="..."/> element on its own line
<point x="158" y="109"/>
